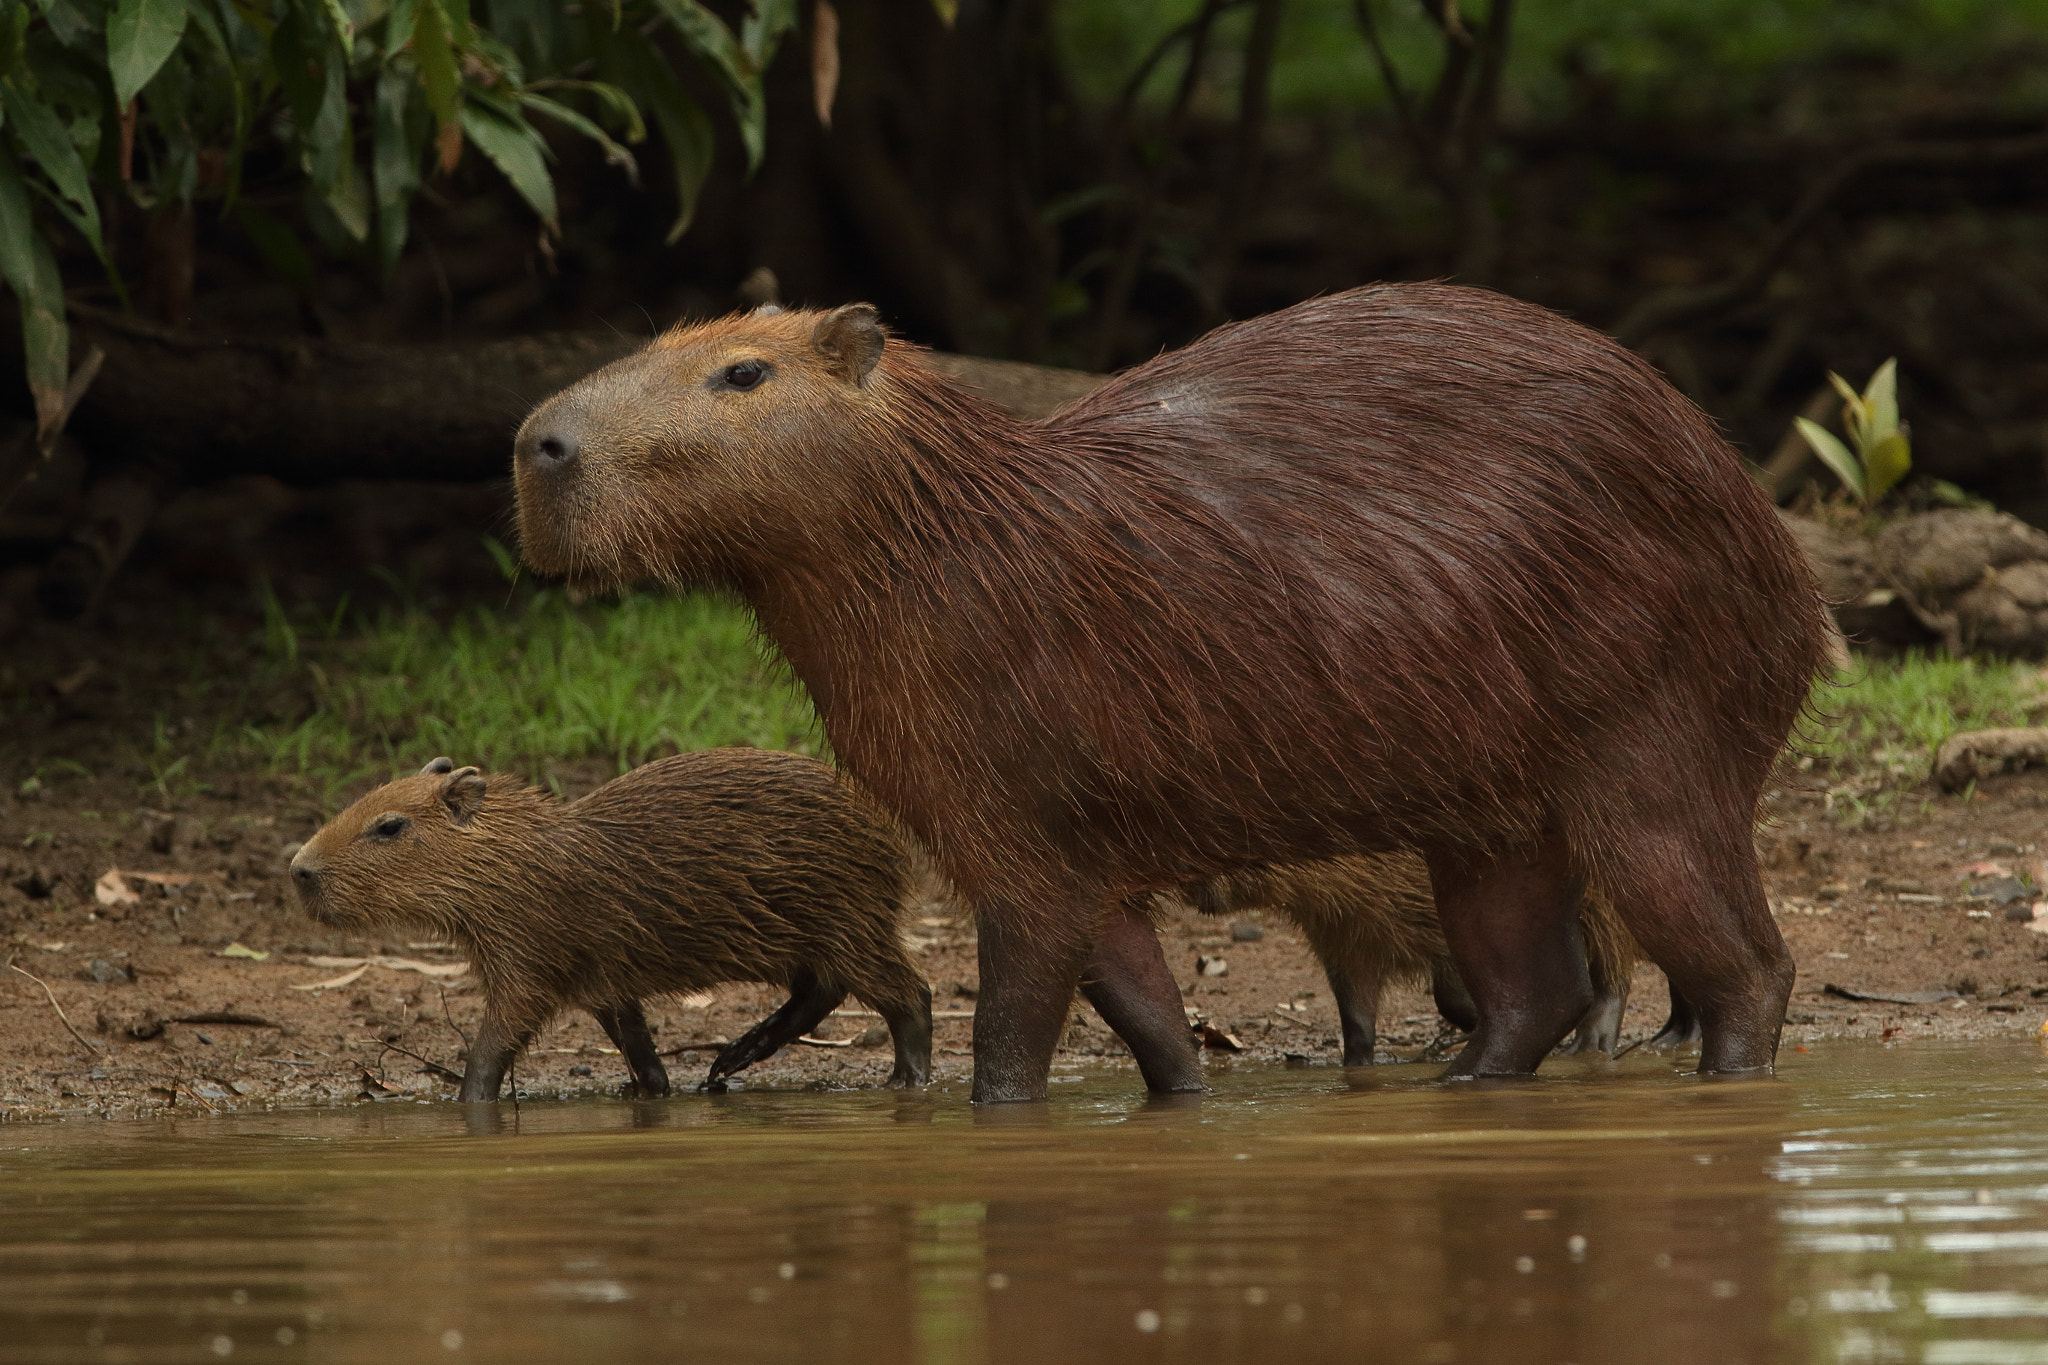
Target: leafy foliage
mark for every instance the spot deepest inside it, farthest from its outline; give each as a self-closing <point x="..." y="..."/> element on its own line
<point x="1882" y="453"/>
<point x="163" y="101"/>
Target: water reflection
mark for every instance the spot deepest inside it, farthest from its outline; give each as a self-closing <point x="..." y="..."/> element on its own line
<point x="1872" y="1205"/>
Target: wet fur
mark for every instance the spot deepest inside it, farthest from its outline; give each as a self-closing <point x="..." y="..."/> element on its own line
<point x="693" y="871"/>
<point x="1412" y="566"/>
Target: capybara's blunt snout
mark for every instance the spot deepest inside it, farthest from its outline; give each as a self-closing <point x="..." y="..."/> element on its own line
<point x="551" y="439"/>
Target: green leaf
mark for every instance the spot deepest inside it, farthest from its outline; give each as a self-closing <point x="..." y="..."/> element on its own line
<point x="434" y="50"/>
<point x="394" y="163"/>
<point x="1881" y="396"/>
<point x="614" y="154"/>
<point x="686" y="130"/>
<point x="948" y="10"/>
<point x="141" y="34"/>
<point x="761" y="32"/>
<point x="709" y="38"/>
<point x="1834" y="454"/>
<point x="30" y="268"/>
<point x="43" y="136"/>
<point x="344" y="27"/>
<point x="1886" y="463"/>
<point x="514" y="149"/>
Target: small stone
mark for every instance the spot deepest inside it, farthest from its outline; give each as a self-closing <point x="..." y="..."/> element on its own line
<point x="580" y="1069"/>
<point x="2002" y="848"/>
<point x="875" y="1035"/>
<point x="104" y="971"/>
<point x="1243" y="932"/>
<point x="1833" y="891"/>
<point x="1211" y="966"/>
<point x="2019" y="912"/>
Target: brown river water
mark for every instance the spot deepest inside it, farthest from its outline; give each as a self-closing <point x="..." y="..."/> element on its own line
<point x="1869" y="1204"/>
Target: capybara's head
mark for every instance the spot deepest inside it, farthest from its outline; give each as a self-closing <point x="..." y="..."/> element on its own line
<point x="660" y="464"/>
<point x="397" y="856"/>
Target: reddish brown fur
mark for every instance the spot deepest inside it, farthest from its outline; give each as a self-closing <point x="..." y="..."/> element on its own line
<point x="693" y="871"/>
<point x="1414" y="566"/>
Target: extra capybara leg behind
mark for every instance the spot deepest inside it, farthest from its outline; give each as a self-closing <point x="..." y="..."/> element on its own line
<point x="1032" y="956"/>
<point x="1358" y="1007"/>
<point x="910" y="1030"/>
<point x="1681" y="1028"/>
<point x="1512" y="924"/>
<point x="1695" y="902"/>
<point x="1453" y="1001"/>
<point x="626" y="1025"/>
<point x="810" y="1000"/>
<point x="1600" y="1030"/>
<point x="1128" y="983"/>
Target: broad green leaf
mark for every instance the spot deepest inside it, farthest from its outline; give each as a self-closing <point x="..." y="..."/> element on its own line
<point x="398" y="25"/>
<point x="1881" y="395"/>
<point x="31" y="271"/>
<point x="685" y="128"/>
<point x="394" y="163"/>
<point x="1834" y="454"/>
<point x="44" y="139"/>
<point x="762" y="30"/>
<point x="433" y="49"/>
<point x="618" y="102"/>
<point x="709" y="38"/>
<point x="614" y="154"/>
<point x="210" y="27"/>
<point x="141" y="34"/>
<point x="1886" y="463"/>
<point x="515" y="150"/>
<point x="344" y="27"/>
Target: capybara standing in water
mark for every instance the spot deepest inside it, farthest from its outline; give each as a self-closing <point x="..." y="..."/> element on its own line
<point x="1370" y="919"/>
<point x="690" y="872"/>
<point x="1409" y="567"/>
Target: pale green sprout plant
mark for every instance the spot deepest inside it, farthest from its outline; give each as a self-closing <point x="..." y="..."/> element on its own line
<point x="1882" y="452"/>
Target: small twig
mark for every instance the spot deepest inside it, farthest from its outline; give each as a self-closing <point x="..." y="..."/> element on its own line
<point x="61" y="1016"/>
<point x="433" y="1067"/>
<point x="449" y="1019"/>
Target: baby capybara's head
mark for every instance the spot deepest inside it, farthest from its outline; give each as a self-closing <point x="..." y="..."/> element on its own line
<point x="661" y="463"/>
<point x="398" y="856"/>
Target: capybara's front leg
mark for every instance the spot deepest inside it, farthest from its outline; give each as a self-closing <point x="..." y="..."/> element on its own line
<point x="1512" y="924"/>
<point x="626" y="1026"/>
<point x="810" y="1000"/>
<point x="1030" y="965"/>
<point x="498" y="1040"/>
<point x="1130" y="986"/>
<point x="1358" y="1007"/>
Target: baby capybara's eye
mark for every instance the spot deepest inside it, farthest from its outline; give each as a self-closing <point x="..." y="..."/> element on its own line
<point x="389" y="826"/>
<point x="744" y="374"/>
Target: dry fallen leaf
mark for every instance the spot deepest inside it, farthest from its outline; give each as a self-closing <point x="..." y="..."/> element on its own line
<point x="702" y="1000"/>
<point x="111" y="890"/>
<point x="396" y="964"/>
<point x="243" y="950"/>
<point x="344" y="979"/>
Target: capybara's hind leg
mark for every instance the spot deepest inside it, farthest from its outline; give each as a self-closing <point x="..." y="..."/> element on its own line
<point x="810" y="1000"/>
<point x="1681" y="1028"/>
<point x="498" y="1040"/>
<point x="1600" y="1029"/>
<point x="1128" y="983"/>
<point x="910" y="1030"/>
<point x="1453" y="1001"/>
<point x="1358" y="1007"/>
<point x="626" y="1026"/>
<point x="1695" y="902"/>
<point x="1512" y="925"/>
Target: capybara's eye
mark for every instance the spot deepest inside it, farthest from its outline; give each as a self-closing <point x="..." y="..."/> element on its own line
<point x="743" y="374"/>
<point x="389" y="826"/>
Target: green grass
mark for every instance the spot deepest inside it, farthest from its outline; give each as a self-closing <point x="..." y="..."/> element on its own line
<point x="540" y="681"/>
<point x="1881" y="721"/>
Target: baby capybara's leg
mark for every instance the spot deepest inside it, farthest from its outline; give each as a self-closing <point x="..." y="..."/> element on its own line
<point x="910" y="1031"/>
<point x="499" y="1039"/>
<point x="810" y="1000"/>
<point x="1031" y="957"/>
<point x="1512" y="923"/>
<point x="1453" y="1001"/>
<point x="1695" y="902"/>
<point x="1128" y="983"/>
<point x="1681" y="1028"/>
<point x="626" y="1026"/>
<point x="1600" y="1030"/>
<point x="1358" y="1008"/>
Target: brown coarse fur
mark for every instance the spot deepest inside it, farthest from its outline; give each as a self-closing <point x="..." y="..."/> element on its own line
<point x="1412" y="566"/>
<point x="696" y="870"/>
<point x="1371" y="919"/>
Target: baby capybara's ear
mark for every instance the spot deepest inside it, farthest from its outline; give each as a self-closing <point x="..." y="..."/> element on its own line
<point x="463" y="794"/>
<point x="438" y="765"/>
<point x="850" y="340"/>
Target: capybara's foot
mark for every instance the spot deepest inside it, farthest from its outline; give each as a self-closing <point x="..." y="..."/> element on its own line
<point x="1600" y="1030"/>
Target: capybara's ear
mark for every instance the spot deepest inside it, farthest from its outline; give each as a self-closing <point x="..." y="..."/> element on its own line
<point x="850" y="339"/>
<point x="438" y="765"/>
<point x="463" y="794"/>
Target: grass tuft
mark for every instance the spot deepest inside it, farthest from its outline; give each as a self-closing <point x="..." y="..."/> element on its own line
<point x="1887" y="717"/>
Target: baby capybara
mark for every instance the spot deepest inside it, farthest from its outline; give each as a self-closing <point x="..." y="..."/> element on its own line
<point x="1411" y="566"/>
<point x="693" y="871"/>
<point x="1371" y="919"/>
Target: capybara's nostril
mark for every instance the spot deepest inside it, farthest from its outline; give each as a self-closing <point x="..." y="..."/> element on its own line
<point x="306" y="875"/>
<point x="550" y="448"/>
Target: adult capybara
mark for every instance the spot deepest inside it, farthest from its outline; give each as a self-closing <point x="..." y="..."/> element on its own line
<point x="693" y="871"/>
<point x="1370" y="918"/>
<point x="1412" y="566"/>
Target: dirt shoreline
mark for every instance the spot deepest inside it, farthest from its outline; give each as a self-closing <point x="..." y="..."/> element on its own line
<point x="163" y="1019"/>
